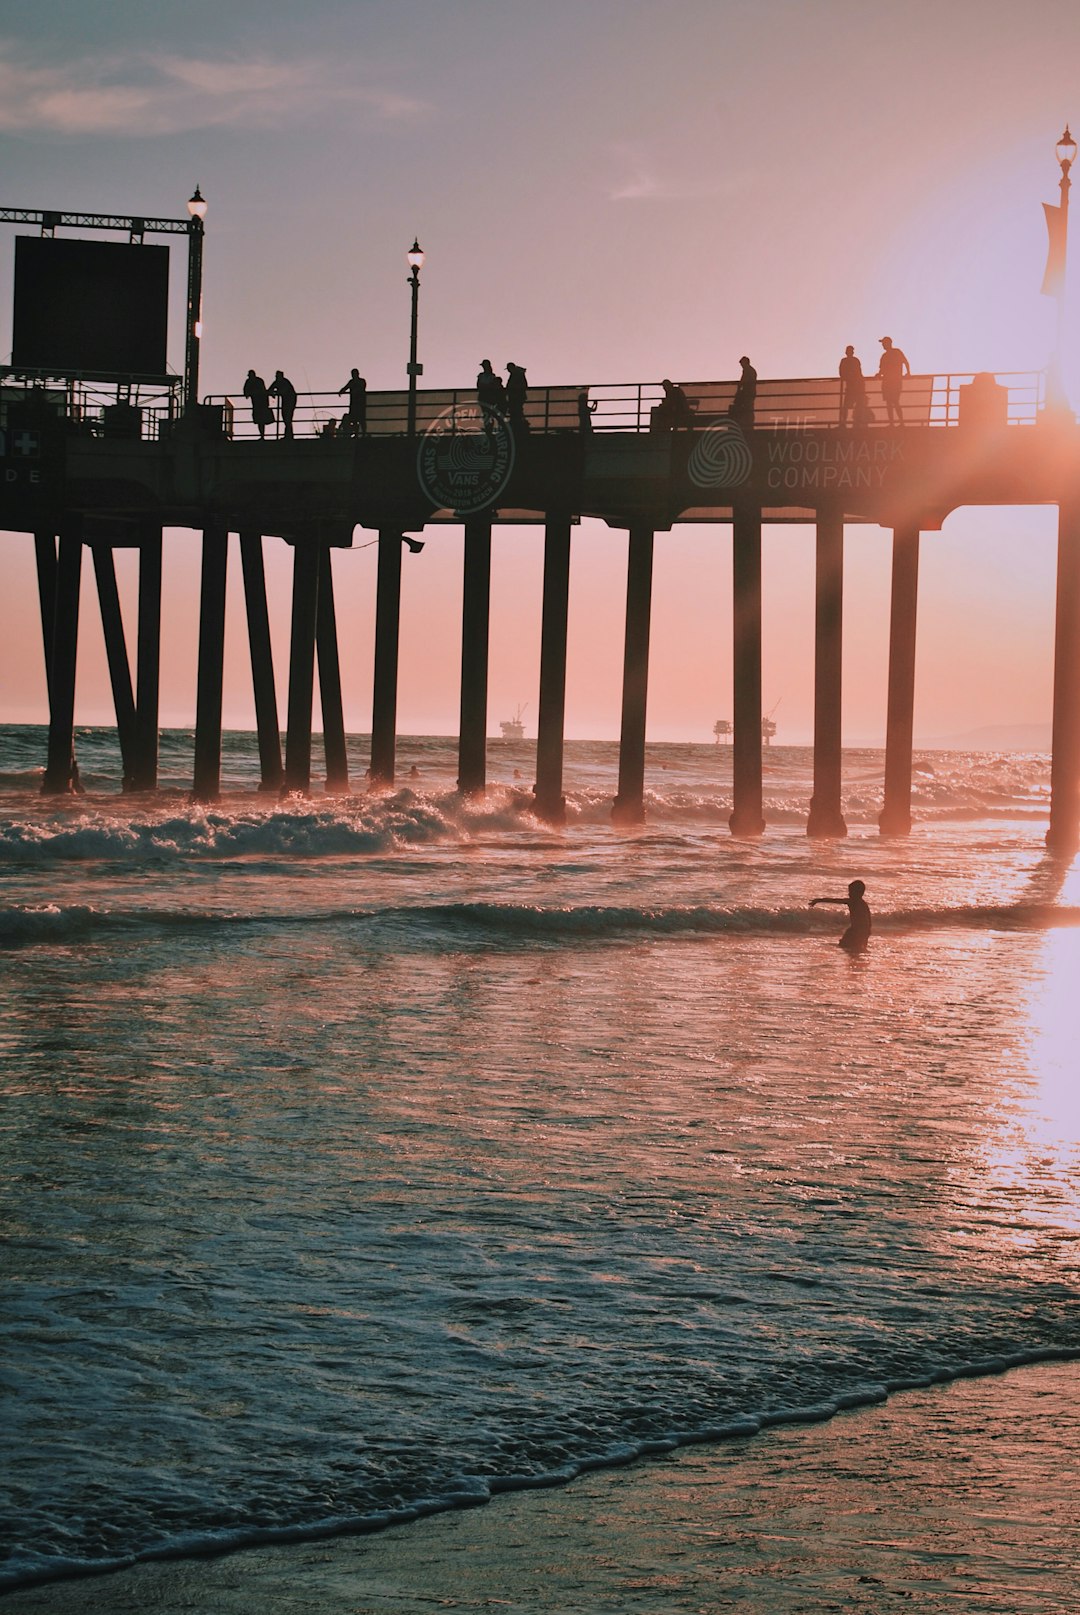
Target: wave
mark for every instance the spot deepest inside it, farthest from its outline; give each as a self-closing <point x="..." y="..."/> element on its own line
<point x="426" y="924"/>
<point x="468" y="1491"/>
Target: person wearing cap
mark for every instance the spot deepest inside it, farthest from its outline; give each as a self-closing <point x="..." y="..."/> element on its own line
<point x="892" y="369"/>
<point x="742" y="405"/>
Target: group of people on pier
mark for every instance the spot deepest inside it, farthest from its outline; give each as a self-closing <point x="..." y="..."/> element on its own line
<point x="504" y="401"/>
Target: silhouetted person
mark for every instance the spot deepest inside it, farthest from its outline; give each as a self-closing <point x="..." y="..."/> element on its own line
<point x="355" y="421"/>
<point x="674" y="411"/>
<point x="261" y="409"/>
<point x="892" y="370"/>
<point x="283" y="390"/>
<point x="852" y="389"/>
<point x="489" y="389"/>
<point x="517" y="391"/>
<point x="857" y="934"/>
<point x="742" y="405"/>
<point x="585" y="412"/>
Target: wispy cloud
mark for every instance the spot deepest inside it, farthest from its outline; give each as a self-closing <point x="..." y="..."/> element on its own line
<point x="145" y="93"/>
<point x="642" y="178"/>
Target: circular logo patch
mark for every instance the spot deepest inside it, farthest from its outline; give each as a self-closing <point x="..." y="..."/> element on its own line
<point x="465" y="458"/>
<point x="720" y="457"/>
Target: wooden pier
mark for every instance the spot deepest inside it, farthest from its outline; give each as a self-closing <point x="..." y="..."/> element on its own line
<point x="77" y="482"/>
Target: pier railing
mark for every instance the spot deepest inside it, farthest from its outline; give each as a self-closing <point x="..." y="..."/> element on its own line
<point x="149" y="409"/>
<point x="1013" y="398"/>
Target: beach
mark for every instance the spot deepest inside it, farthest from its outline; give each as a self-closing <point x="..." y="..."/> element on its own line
<point x="956" y="1498"/>
<point x="375" y="1156"/>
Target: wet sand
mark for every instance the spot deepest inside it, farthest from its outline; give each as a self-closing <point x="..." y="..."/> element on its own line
<point x="959" y="1498"/>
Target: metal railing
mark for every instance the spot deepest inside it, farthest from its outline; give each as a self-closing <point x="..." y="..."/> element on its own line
<point x="131" y="407"/>
<point x="138" y="407"/>
<point x="1014" y="398"/>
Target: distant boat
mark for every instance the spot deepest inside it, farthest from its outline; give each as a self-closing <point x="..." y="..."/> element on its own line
<point x="513" y="728"/>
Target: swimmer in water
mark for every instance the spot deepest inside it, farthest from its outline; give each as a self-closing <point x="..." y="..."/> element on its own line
<point x="857" y="935"/>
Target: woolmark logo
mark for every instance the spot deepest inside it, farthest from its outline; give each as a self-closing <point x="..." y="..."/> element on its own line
<point x="720" y="457"/>
<point x="465" y="458"/>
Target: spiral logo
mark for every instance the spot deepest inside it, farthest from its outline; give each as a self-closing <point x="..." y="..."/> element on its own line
<point x="465" y="458"/>
<point x="720" y="457"/>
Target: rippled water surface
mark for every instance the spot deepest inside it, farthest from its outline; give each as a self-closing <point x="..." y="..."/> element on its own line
<point x="365" y="1154"/>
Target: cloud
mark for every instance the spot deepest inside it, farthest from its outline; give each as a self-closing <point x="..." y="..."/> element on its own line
<point x="642" y="179"/>
<point x="156" y="93"/>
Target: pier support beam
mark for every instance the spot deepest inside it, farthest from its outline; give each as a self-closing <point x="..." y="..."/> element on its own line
<point x="387" y="642"/>
<point x="45" y="557"/>
<point x="116" y="655"/>
<point x="551" y="724"/>
<point x="826" y="814"/>
<point x="144" y="773"/>
<point x="61" y="771"/>
<point x="746" y="818"/>
<point x="475" y="631"/>
<point x="337" y="767"/>
<point x="262" y="662"/>
<point x="305" y="602"/>
<point x="895" y="817"/>
<point x="629" y="804"/>
<point x="1063" y="834"/>
<point x="215" y="558"/>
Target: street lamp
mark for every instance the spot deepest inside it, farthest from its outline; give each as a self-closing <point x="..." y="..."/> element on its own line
<point x="415" y="259"/>
<point x="197" y="210"/>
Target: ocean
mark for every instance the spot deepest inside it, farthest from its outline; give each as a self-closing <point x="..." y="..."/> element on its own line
<point x="369" y="1156"/>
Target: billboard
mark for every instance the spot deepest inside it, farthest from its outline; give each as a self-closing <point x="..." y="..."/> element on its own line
<point x="98" y="307"/>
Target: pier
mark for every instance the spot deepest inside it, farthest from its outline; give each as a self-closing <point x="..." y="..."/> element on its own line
<point x="90" y="467"/>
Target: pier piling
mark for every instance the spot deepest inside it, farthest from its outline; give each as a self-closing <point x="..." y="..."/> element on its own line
<point x="215" y="559"/>
<point x="826" y="812"/>
<point x="387" y="642"/>
<point x="551" y="723"/>
<point x="746" y="817"/>
<point x="305" y="604"/>
<point x="144" y="773"/>
<point x="337" y="767"/>
<point x="629" y="805"/>
<point x="252" y="561"/>
<point x="61" y="773"/>
<point x="895" y="817"/>
<point x="475" y="637"/>
<point x="116" y="655"/>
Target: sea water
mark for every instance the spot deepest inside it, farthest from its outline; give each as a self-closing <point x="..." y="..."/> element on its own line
<point x="369" y="1155"/>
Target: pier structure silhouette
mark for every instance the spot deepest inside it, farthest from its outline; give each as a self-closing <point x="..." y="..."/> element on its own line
<point x="97" y="464"/>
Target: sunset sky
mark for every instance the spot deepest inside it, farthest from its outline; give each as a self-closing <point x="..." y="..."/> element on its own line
<point x="607" y="191"/>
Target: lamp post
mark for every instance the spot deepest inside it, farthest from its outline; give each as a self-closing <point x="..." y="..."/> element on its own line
<point x="197" y="209"/>
<point x="415" y="258"/>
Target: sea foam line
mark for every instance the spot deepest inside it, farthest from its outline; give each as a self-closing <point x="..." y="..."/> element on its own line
<point x="476" y="1490"/>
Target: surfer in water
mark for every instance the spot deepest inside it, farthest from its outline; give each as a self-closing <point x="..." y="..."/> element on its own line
<point x="857" y="935"/>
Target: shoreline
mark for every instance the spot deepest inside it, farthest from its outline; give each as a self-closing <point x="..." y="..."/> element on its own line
<point x="967" y="1481"/>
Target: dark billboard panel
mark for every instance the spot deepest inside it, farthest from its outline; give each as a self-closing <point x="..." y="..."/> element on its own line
<point x="96" y="306"/>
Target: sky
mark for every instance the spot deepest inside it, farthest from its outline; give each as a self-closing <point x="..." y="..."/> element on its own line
<point x="606" y="191"/>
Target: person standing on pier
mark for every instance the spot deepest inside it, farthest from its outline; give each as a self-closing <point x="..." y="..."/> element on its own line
<point x="857" y="935"/>
<point x="586" y="409"/>
<point x="742" y="405"/>
<point x="283" y="390"/>
<point x="261" y="409"/>
<point x="355" y="422"/>
<point x="852" y="389"/>
<point x="892" y="370"/>
<point x="517" y="391"/>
